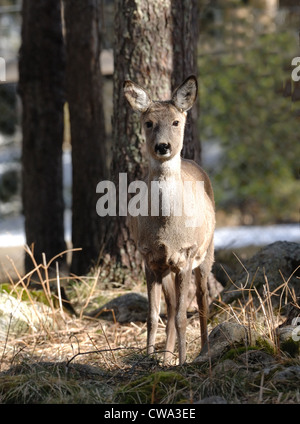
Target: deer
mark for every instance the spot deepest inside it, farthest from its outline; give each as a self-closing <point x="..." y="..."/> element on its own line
<point x="172" y="250"/>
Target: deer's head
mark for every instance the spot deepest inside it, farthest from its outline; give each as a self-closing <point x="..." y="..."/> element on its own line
<point x="163" y="121"/>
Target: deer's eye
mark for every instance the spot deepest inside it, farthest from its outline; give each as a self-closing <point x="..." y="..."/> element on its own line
<point x="149" y="124"/>
<point x="175" y="123"/>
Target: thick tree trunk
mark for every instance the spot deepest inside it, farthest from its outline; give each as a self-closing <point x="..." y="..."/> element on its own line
<point x="84" y="95"/>
<point x="143" y="53"/>
<point x="185" y="33"/>
<point x="42" y="92"/>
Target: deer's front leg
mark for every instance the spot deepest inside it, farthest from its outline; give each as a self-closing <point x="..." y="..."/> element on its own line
<point x="168" y="286"/>
<point x="154" y="295"/>
<point x="182" y="282"/>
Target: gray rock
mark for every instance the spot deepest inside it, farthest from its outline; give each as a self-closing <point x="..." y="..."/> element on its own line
<point x="288" y="332"/>
<point x="129" y="307"/>
<point x="256" y="357"/>
<point x="277" y="257"/>
<point x="224" y="367"/>
<point x="270" y="370"/>
<point x="224" y="337"/>
<point x="288" y="376"/>
<point x="17" y="317"/>
<point x="289" y="339"/>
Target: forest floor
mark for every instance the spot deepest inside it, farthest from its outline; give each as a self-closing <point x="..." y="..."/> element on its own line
<point x="63" y="359"/>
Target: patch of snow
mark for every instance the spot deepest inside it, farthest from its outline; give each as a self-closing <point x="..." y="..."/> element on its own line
<point x="12" y="233"/>
<point x="234" y="237"/>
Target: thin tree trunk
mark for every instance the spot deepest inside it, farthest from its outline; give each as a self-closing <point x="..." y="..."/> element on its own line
<point x="84" y="94"/>
<point x="41" y="88"/>
<point x="185" y="16"/>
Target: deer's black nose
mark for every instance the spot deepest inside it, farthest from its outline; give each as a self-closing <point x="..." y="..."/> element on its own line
<point x="162" y="148"/>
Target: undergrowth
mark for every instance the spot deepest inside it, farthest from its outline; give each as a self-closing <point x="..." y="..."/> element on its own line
<point x="78" y="359"/>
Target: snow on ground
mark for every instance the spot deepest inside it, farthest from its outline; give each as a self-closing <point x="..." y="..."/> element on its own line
<point x="12" y="233"/>
<point x="229" y="237"/>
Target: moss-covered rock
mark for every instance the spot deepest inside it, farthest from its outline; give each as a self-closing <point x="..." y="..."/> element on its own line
<point x="227" y="336"/>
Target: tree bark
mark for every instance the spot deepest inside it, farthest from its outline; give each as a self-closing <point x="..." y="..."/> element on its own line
<point x="185" y="15"/>
<point x="41" y="88"/>
<point x="84" y="95"/>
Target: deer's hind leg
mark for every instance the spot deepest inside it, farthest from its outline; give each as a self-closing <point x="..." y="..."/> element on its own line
<point x="201" y="276"/>
<point x="168" y="285"/>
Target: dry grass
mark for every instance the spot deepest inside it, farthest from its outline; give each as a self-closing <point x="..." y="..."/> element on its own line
<point x="261" y="318"/>
<point x="70" y="336"/>
<point x="118" y="351"/>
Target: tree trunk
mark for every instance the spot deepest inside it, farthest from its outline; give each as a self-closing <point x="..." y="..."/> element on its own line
<point x="143" y="53"/>
<point x="185" y="16"/>
<point x="41" y="88"/>
<point x="84" y="95"/>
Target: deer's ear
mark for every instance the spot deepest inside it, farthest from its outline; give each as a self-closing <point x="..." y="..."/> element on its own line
<point x="137" y="97"/>
<point x="185" y="95"/>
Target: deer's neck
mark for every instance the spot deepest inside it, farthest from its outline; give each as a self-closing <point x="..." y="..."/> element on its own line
<point x="169" y="169"/>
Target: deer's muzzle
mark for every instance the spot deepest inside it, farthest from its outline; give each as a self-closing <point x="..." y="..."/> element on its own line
<point x="163" y="149"/>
